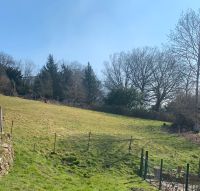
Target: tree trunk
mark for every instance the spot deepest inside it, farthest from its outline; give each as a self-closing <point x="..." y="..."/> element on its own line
<point x="197" y="90"/>
<point x="157" y="105"/>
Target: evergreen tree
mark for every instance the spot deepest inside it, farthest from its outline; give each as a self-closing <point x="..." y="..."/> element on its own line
<point x="66" y="81"/>
<point x="52" y="69"/>
<point x="91" y="85"/>
<point x="47" y="83"/>
<point x="15" y="76"/>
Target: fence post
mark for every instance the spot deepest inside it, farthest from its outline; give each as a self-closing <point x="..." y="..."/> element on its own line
<point x="54" y="145"/>
<point x="161" y="169"/>
<point x="89" y="137"/>
<point x="1" y="121"/>
<point x="141" y="162"/>
<point x="146" y="164"/>
<point x="187" y="178"/>
<point x="130" y="145"/>
<point x="11" y="129"/>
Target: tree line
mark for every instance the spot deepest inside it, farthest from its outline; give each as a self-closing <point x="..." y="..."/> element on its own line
<point x="145" y="79"/>
<point x="71" y="83"/>
<point x="154" y="74"/>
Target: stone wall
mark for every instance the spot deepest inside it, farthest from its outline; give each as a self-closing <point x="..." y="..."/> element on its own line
<point x="6" y="154"/>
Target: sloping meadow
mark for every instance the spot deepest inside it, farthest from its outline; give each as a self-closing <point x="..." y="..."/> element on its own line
<point x="64" y="148"/>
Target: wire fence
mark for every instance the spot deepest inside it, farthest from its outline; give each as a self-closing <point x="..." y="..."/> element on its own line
<point x="174" y="179"/>
<point x="160" y="175"/>
<point x="114" y="150"/>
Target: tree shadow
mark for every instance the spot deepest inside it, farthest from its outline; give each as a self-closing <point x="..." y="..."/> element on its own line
<point x="100" y="152"/>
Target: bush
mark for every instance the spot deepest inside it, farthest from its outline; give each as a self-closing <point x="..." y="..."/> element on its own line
<point x="123" y="98"/>
<point x="138" y="112"/>
<point x="183" y="108"/>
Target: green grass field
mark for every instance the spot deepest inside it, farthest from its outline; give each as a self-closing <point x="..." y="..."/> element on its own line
<point x="106" y="166"/>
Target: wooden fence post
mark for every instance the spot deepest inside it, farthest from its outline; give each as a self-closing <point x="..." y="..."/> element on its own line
<point x="11" y="129"/>
<point x="1" y="119"/>
<point x="89" y="138"/>
<point x="161" y="169"/>
<point x="54" y="146"/>
<point x="1" y="122"/>
<point x="146" y="165"/>
<point x="187" y="178"/>
<point x="141" y="162"/>
<point x="130" y="145"/>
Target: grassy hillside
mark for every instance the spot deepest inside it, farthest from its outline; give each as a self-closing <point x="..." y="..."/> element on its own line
<point x="106" y="166"/>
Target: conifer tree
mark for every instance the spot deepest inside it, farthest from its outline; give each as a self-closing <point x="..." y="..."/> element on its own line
<point x="91" y="85"/>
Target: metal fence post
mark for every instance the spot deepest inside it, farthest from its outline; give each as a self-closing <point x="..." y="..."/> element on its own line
<point x="161" y="169"/>
<point x="187" y="178"/>
<point x="141" y="162"/>
<point x="146" y="164"/>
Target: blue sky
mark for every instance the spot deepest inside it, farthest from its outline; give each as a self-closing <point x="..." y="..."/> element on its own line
<point x="85" y="30"/>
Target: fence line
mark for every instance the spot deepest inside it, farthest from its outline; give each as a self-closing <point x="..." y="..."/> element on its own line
<point x="158" y="176"/>
<point x="173" y="180"/>
<point x="164" y="179"/>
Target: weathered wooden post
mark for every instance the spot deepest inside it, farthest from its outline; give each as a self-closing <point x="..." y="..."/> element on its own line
<point x="89" y="138"/>
<point x="1" y="122"/>
<point x="11" y="129"/>
<point x="1" y="119"/>
<point x="146" y="164"/>
<point x="187" y="178"/>
<point x="141" y="162"/>
<point x="54" y="146"/>
<point x="160" y="179"/>
<point x="130" y="145"/>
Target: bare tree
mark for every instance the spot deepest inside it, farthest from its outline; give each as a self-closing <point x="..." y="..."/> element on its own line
<point x="188" y="80"/>
<point x="185" y="42"/>
<point x="141" y="70"/>
<point x="166" y="80"/>
<point x="117" y="72"/>
<point x="28" y="68"/>
<point x="155" y="75"/>
<point x="28" y="72"/>
<point x="7" y="60"/>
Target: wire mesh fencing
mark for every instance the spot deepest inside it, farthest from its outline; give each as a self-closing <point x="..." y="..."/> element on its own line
<point x="169" y="179"/>
<point x="114" y="151"/>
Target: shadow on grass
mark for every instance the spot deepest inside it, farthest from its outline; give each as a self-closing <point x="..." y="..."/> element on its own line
<point x="102" y="152"/>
